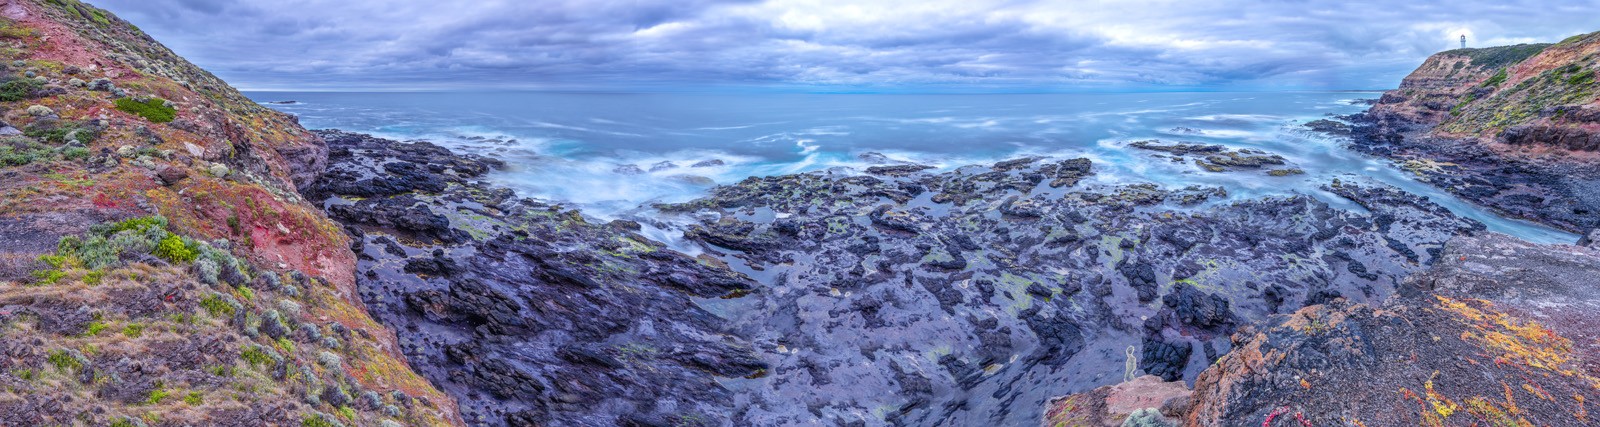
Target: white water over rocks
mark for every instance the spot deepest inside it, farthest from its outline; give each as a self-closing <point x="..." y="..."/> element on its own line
<point x="612" y="153"/>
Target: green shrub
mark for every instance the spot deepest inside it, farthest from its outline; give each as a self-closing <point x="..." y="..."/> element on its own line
<point x="55" y="261"/>
<point x="75" y="153"/>
<point x="64" y="360"/>
<point x="133" y="330"/>
<point x="99" y="17"/>
<point x="19" y="89"/>
<point x="256" y="355"/>
<point x="193" y="398"/>
<point x="157" y="395"/>
<point x="11" y="156"/>
<point x="13" y="31"/>
<point x="124" y="422"/>
<point x="64" y="132"/>
<point x="320" y="420"/>
<point x="49" y="277"/>
<point x="216" y="306"/>
<point x="1495" y="81"/>
<point x="153" y="109"/>
<point x="172" y="248"/>
<point x="140" y="223"/>
<point x="96" y="252"/>
<point x="207" y="270"/>
<point x="1584" y="78"/>
<point x="95" y="328"/>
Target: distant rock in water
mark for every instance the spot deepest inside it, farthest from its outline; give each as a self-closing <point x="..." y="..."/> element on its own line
<point x="282" y="102"/>
<point x="1186" y="131"/>
<point x="1330" y="127"/>
<point x="629" y="169"/>
<point x="875" y="158"/>
<point x="661" y="166"/>
<point x="710" y="163"/>
<point x="1217" y="158"/>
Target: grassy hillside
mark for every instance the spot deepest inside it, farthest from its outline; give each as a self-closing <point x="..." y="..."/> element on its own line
<point x="158" y="266"/>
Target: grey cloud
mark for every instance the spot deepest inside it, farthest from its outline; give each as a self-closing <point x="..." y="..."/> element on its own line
<point x="929" y="44"/>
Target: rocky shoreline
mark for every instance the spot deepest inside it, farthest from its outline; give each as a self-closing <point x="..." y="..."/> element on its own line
<point x="1561" y="193"/>
<point x="970" y="296"/>
<point x="523" y="311"/>
<point x="193" y="258"/>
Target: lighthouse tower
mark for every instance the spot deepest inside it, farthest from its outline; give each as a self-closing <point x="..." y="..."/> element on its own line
<point x="1463" y="41"/>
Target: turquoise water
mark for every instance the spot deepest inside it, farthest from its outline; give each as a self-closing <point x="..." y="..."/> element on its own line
<point x="583" y="148"/>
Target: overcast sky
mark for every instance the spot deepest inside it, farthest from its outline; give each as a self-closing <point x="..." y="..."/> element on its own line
<point x="892" y="45"/>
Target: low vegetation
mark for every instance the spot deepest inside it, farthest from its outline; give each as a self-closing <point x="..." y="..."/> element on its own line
<point x="155" y="110"/>
<point x="1500" y="56"/>
<point x="287" y="356"/>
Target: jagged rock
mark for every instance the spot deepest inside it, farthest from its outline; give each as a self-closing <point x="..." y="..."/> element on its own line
<point x="1196" y="308"/>
<point x="506" y="292"/>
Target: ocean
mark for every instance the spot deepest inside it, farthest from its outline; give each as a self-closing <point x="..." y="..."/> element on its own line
<point x="612" y="154"/>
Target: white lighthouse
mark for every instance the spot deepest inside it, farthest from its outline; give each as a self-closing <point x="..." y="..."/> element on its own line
<point x="1463" y="41"/>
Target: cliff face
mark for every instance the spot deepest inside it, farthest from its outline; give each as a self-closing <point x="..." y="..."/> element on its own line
<point x="158" y="265"/>
<point x="1513" y="94"/>
<point x="1516" y="129"/>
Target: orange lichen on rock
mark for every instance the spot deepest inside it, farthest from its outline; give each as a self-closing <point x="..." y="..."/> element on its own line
<point x="1523" y="343"/>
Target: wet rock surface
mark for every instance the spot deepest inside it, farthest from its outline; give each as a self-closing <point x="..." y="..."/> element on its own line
<point x="1551" y="190"/>
<point x="524" y="312"/>
<point x="972" y="296"/>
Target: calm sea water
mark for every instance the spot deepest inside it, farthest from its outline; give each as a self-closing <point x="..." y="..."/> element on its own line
<point x="611" y="153"/>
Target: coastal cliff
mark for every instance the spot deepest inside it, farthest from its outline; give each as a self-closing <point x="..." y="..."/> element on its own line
<point x="158" y="265"/>
<point x="1514" y="128"/>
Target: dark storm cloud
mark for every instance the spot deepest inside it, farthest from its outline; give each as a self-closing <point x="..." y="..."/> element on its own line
<point x="929" y="44"/>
